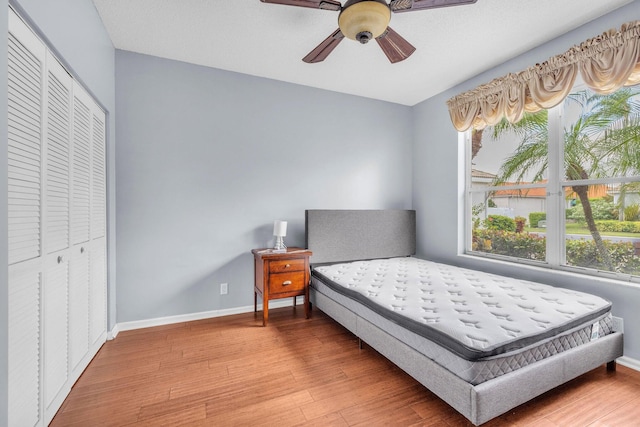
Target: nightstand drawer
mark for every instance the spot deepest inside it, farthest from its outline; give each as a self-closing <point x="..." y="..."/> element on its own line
<point x="286" y="265"/>
<point x="286" y="282"/>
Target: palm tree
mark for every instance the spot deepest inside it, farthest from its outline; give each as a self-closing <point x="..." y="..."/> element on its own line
<point x="603" y="141"/>
<point x="476" y="142"/>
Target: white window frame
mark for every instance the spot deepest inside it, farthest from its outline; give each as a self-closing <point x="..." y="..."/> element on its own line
<point x="555" y="209"/>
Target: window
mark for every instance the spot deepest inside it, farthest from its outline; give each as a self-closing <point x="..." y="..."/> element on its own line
<point x="561" y="187"/>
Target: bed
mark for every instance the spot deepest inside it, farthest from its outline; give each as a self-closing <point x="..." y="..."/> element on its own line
<point x="483" y="343"/>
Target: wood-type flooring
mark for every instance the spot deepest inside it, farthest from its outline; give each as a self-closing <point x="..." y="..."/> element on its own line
<point x="231" y="371"/>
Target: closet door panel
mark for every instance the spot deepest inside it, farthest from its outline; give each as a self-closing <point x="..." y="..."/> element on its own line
<point x="55" y="325"/>
<point x="81" y="166"/>
<point x="98" y="174"/>
<point x="25" y="67"/>
<point x="80" y="227"/>
<point x="57" y="142"/>
<point x="78" y="307"/>
<point x="26" y="62"/>
<point x="24" y="346"/>
<point x="57" y="133"/>
<point x="98" y="253"/>
<point x="98" y="292"/>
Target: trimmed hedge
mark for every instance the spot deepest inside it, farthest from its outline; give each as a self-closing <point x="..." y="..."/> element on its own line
<point x="583" y="253"/>
<point x="580" y="253"/>
<point x="534" y="217"/>
<point x="619" y="226"/>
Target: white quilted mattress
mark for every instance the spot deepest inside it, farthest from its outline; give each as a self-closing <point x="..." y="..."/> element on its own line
<point x="478" y="325"/>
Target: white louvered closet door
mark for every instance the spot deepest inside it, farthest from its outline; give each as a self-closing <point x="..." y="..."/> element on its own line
<point x="26" y="59"/>
<point x="57" y="229"/>
<point x="57" y="131"/>
<point x="81" y="167"/>
<point x="98" y="230"/>
<point x="80" y="222"/>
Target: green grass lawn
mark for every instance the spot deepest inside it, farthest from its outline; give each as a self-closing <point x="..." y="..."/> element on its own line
<point x="582" y="229"/>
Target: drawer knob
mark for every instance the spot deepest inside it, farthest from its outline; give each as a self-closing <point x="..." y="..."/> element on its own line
<point x="286" y="283"/>
<point x="287" y="266"/>
<point x="60" y="259"/>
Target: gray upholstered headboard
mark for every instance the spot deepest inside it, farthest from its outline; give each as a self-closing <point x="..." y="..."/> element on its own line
<point x="349" y="235"/>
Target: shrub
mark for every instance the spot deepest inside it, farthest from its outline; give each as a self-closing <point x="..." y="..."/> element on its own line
<point x="519" y="245"/>
<point x="499" y="222"/>
<point x="534" y="217"/>
<point x="619" y="226"/>
<point x="603" y="209"/>
<point x="520" y="223"/>
<point x="580" y="252"/>
<point x="575" y="213"/>
<point x="476" y="210"/>
<point x="583" y="253"/>
<point x="632" y="213"/>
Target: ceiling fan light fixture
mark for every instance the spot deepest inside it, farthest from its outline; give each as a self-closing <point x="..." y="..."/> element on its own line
<point x="364" y="20"/>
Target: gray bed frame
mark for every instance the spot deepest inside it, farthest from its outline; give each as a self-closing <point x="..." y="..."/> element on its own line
<point x="349" y="235"/>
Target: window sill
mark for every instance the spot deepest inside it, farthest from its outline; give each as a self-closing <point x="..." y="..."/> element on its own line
<point x="536" y="272"/>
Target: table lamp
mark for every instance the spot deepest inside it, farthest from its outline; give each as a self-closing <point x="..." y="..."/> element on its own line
<point x="279" y="231"/>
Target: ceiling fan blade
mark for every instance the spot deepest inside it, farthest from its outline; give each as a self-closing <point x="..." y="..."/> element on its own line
<point x="411" y="5"/>
<point x="323" y="50"/>
<point x="394" y="46"/>
<point x="315" y="4"/>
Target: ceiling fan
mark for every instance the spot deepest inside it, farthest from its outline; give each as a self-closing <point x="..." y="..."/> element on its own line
<point x="363" y="20"/>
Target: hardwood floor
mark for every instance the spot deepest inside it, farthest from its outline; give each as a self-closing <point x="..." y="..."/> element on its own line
<point x="231" y="371"/>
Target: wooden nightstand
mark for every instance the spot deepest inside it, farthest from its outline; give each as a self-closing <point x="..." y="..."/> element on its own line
<point x="281" y="276"/>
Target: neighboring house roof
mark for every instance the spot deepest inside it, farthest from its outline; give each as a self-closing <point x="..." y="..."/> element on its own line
<point x="595" y="192"/>
<point x="475" y="173"/>
<point x="525" y="192"/>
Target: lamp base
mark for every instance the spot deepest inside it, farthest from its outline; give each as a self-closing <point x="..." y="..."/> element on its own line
<point x="280" y="247"/>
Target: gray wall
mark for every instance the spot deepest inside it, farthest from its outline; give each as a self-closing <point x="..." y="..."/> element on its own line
<point x="75" y="29"/>
<point x="437" y="190"/>
<point x="208" y="159"/>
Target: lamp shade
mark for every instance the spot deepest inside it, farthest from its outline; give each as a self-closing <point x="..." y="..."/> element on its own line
<point x="363" y="20"/>
<point x="279" y="228"/>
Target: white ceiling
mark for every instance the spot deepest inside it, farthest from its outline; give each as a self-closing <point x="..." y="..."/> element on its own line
<point x="270" y="40"/>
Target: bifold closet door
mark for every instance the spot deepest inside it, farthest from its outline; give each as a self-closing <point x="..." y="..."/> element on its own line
<point x="80" y="221"/>
<point x="57" y="228"/>
<point x="98" y="230"/>
<point x="55" y="297"/>
<point x="26" y="63"/>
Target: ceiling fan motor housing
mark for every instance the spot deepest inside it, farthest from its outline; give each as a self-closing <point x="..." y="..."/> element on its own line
<point x="363" y="20"/>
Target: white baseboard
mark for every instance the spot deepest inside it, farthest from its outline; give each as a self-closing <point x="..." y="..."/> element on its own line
<point x="160" y="321"/>
<point x="629" y="362"/>
<point x="111" y="335"/>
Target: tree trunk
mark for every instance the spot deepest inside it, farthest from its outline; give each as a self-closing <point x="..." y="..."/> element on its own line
<point x="476" y="142"/>
<point x="583" y="193"/>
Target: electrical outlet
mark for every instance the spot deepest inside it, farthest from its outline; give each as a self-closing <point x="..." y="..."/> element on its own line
<point x="618" y="324"/>
<point x="224" y="288"/>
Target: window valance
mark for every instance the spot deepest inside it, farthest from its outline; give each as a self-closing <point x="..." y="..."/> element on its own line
<point x="606" y="63"/>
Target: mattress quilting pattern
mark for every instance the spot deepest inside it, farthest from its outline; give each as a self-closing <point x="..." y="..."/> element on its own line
<point x="471" y="313"/>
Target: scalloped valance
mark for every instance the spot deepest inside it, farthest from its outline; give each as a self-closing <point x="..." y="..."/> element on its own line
<point x="606" y="63"/>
